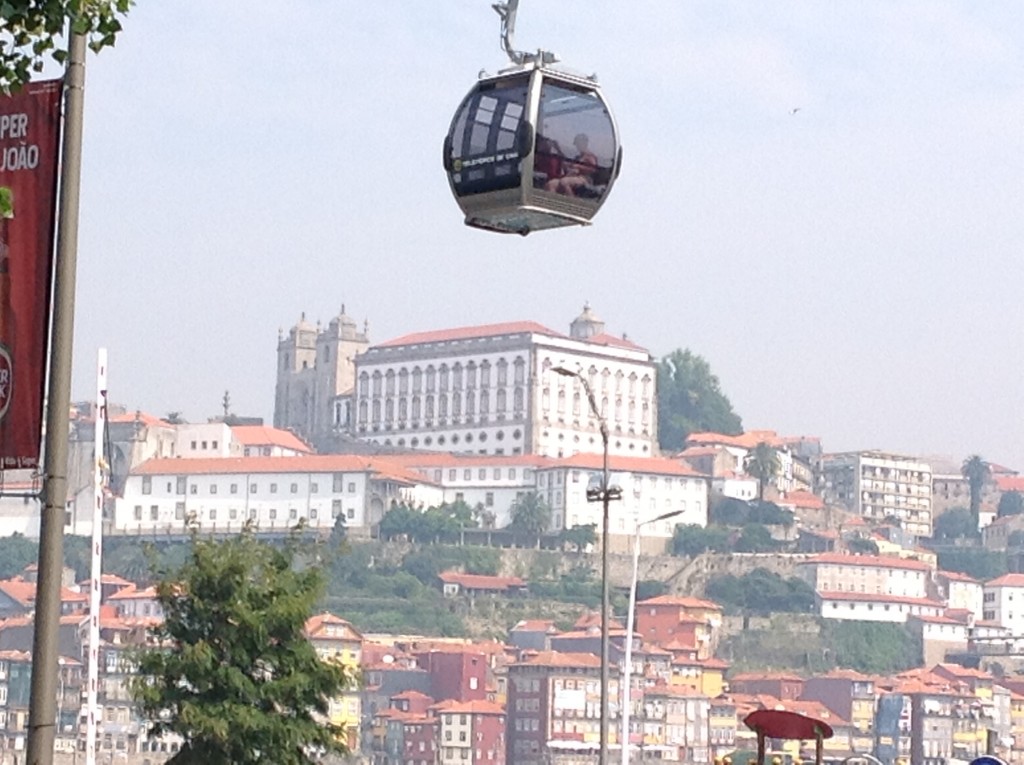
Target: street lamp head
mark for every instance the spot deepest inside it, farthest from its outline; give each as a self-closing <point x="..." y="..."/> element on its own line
<point x="664" y="516"/>
<point x="564" y="371"/>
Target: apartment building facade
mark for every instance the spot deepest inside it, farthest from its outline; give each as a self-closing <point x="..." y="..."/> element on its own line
<point x="880" y="486"/>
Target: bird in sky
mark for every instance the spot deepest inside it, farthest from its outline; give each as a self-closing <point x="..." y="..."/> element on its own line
<point x="794" y="110"/>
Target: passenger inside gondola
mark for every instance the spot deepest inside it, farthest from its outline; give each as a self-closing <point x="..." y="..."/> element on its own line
<point x="579" y="172"/>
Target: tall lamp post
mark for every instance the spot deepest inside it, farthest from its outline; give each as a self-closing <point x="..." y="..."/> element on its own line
<point x="628" y="669"/>
<point x="605" y="494"/>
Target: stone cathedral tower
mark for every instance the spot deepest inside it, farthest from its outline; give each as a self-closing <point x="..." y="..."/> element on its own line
<point x="315" y="374"/>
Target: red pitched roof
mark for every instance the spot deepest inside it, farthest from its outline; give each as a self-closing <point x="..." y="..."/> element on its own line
<point x="567" y="660"/>
<point x="309" y="463"/>
<point x="316" y="622"/>
<point x="1010" y="483"/>
<point x="647" y="465"/>
<point x="616" y="342"/>
<point x="956" y="576"/>
<point x="868" y="597"/>
<point x="681" y="601"/>
<point x="872" y="561"/>
<point x="1007" y="580"/>
<point x="261" y="435"/>
<point x="142" y="417"/>
<point x="804" y="500"/>
<point x="471" y="333"/>
<point x="480" y="581"/>
<point x="476" y="707"/>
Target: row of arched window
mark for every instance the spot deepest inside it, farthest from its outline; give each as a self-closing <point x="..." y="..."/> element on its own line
<point x="443" y="378"/>
<point x="624" y="410"/>
<point x="415" y="408"/>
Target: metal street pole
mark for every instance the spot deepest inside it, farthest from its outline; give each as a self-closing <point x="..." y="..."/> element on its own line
<point x="42" y="701"/>
<point x="606" y="604"/>
<point x="606" y="495"/>
<point x="628" y="668"/>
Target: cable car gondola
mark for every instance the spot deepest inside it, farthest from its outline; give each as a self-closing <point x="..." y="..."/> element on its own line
<point x="532" y="147"/>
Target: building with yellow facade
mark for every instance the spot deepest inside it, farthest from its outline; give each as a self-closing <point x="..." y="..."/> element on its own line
<point x="336" y="640"/>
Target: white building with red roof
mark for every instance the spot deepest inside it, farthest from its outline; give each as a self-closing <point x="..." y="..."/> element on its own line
<point x="274" y="493"/>
<point x="1004" y="602"/>
<point x="651" y="487"/>
<point x="834" y="572"/>
<point x="490" y="389"/>
<point x="962" y="592"/>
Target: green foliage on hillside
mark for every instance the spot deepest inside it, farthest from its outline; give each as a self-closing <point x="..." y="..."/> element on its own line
<point x="735" y="512"/>
<point x="872" y="647"/>
<point x="691" y="539"/>
<point x="1010" y="503"/>
<point x="957" y="523"/>
<point x="433" y="524"/>
<point x="16" y="552"/>
<point x="761" y="592"/>
<point x="974" y="561"/>
<point x="690" y="399"/>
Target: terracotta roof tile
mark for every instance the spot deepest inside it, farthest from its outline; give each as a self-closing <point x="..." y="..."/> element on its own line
<point x="261" y="435"/>
<point x="558" y="659"/>
<point x="470" y="333"/>
<point x="681" y="601"/>
<point x="310" y="463"/>
<point x="480" y="581"/>
<point x="646" y="465"/>
<point x="869" y="561"/>
<point x="1007" y="580"/>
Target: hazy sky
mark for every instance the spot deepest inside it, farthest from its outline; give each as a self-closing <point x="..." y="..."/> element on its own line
<point x="852" y="271"/>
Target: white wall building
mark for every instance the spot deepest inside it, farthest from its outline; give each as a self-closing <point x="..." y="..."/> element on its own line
<point x="491" y="390"/>
<point x="735" y="486"/>
<point x="1004" y="602"/>
<point x="651" y="487"/>
<point x="275" y="493"/>
<point x="866" y="575"/>
<point x="878" y="485"/>
<point x="962" y="592"/>
<point x="866" y="607"/>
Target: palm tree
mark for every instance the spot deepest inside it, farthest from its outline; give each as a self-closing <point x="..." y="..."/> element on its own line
<point x="977" y="473"/>
<point x="531" y="514"/>
<point x="763" y="464"/>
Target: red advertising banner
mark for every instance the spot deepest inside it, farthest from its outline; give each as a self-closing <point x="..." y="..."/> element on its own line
<point x="29" y="146"/>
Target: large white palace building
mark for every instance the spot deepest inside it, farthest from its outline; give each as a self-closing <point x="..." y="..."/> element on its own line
<point x="487" y="389"/>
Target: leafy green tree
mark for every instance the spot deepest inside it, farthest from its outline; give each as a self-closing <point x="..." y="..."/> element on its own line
<point x="691" y="539"/>
<point x="531" y="514"/>
<point x="755" y="538"/>
<point x="30" y="30"/>
<point x="1010" y="503"/>
<point x="579" y="537"/>
<point x="770" y="514"/>
<point x="729" y="511"/>
<point x="761" y="592"/>
<point x="16" y="552"/>
<point x="690" y="399"/>
<point x="762" y="464"/>
<point x="977" y="472"/>
<point x="231" y="670"/>
<point x="862" y="546"/>
<point x="957" y="523"/>
<point x="974" y="561"/>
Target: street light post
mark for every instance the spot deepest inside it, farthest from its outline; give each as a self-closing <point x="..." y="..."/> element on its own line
<point x="628" y="669"/>
<point x="604" y="495"/>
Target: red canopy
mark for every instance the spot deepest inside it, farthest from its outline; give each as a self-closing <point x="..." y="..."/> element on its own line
<point x="776" y="723"/>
